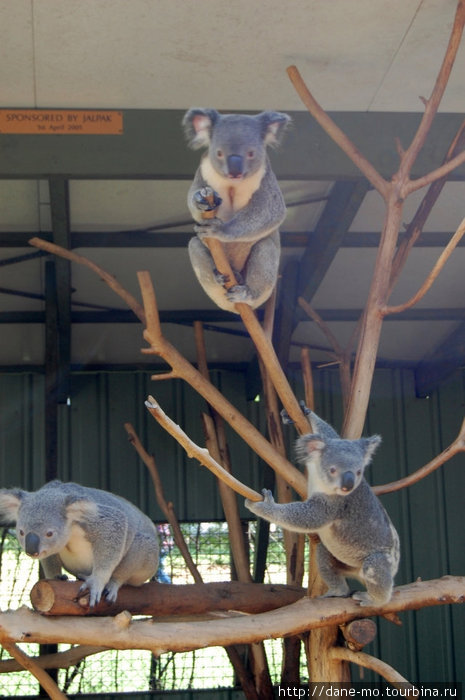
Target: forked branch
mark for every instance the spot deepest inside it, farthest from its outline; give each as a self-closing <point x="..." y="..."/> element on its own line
<point x="199" y="453"/>
<point x="428" y="283"/>
<point x="160" y="346"/>
<point x="374" y="664"/>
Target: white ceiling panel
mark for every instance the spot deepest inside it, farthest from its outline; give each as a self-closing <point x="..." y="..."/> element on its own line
<point x="17" y="69"/>
<point x="115" y="205"/>
<point x="154" y="54"/>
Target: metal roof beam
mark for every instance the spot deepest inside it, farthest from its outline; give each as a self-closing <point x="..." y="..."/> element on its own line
<point x="152" y="146"/>
<point x="343" y="203"/>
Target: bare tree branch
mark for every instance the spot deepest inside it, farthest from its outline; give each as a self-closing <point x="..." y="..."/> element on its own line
<point x="183" y="368"/>
<point x="415" y="227"/>
<point x="441" y="172"/>
<point x="29" y="664"/>
<point x="112" y="282"/>
<point x="436" y="96"/>
<point x="166" y="507"/>
<point x="62" y="659"/>
<point x="428" y="283"/>
<point x="374" y="664"/>
<point x="338" y="136"/>
<point x="261" y="341"/>
<point x="308" y="613"/>
<point x="199" y="453"/>
<point x="457" y="446"/>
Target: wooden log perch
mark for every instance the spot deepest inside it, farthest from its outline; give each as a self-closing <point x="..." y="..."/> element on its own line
<point x="359" y="633"/>
<point x="297" y="618"/>
<point x="53" y="597"/>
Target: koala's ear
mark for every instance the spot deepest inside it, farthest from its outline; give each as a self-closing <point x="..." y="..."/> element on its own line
<point x="306" y="445"/>
<point x="198" y="124"/>
<point x="80" y="509"/>
<point x="10" y="502"/>
<point x="274" y="125"/>
<point x="369" y="447"/>
<point x="321" y="427"/>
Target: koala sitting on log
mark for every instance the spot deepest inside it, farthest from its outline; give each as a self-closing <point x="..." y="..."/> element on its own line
<point x="357" y="538"/>
<point x="235" y="183"/>
<point x="98" y="537"/>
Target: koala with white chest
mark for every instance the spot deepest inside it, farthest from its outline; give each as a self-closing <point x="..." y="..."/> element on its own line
<point x="235" y="181"/>
<point x="98" y="537"/>
<point x="357" y="538"/>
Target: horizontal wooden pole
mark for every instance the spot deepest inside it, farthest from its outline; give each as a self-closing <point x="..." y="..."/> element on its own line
<point x="53" y="597"/>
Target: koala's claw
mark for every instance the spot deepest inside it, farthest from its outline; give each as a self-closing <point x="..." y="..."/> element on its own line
<point x="285" y="416"/>
<point x="239" y="293"/>
<point x="206" y="199"/>
<point x="94" y="591"/>
<point x="267" y="495"/>
<point x="220" y="278"/>
<point x="256" y="506"/>
<point x="209" y="229"/>
<point x="111" y="591"/>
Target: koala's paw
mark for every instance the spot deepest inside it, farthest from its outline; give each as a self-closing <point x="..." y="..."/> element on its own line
<point x="258" y="506"/>
<point x="220" y="278"/>
<point x="111" y="591"/>
<point x="363" y="599"/>
<point x="342" y="592"/>
<point x="239" y="293"/>
<point x="95" y="589"/>
<point x="287" y="420"/>
<point x="206" y="199"/>
<point x="210" y="229"/>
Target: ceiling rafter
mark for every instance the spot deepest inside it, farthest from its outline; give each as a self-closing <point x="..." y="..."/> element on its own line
<point x="152" y="147"/>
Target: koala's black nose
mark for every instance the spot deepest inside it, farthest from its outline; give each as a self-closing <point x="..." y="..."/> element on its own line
<point x="235" y="166"/>
<point x="347" y="481"/>
<point x="32" y="543"/>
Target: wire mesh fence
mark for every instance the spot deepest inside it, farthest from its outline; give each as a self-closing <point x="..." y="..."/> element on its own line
<point x="134" y="670"/>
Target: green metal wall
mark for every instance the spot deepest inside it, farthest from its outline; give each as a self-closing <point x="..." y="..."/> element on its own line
<point x="94" y="450"/>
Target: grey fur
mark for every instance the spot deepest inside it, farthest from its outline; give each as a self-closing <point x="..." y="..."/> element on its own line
<point x="98" y="537"/>
<point x="357" y="538"/>
<point x="236" y="171"/>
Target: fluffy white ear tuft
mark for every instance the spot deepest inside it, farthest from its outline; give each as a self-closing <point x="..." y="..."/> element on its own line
<point x="202" y="125"/>
<point x="370" y="445"/>
<point x="10" y="501"/>
<point x="81" y="510"/>
<point x="307" y="445"/>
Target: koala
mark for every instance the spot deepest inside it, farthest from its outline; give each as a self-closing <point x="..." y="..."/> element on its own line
<point x="357" y="538"/>
<point x="235" y="183"/>
<point x="96" y="536"/>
